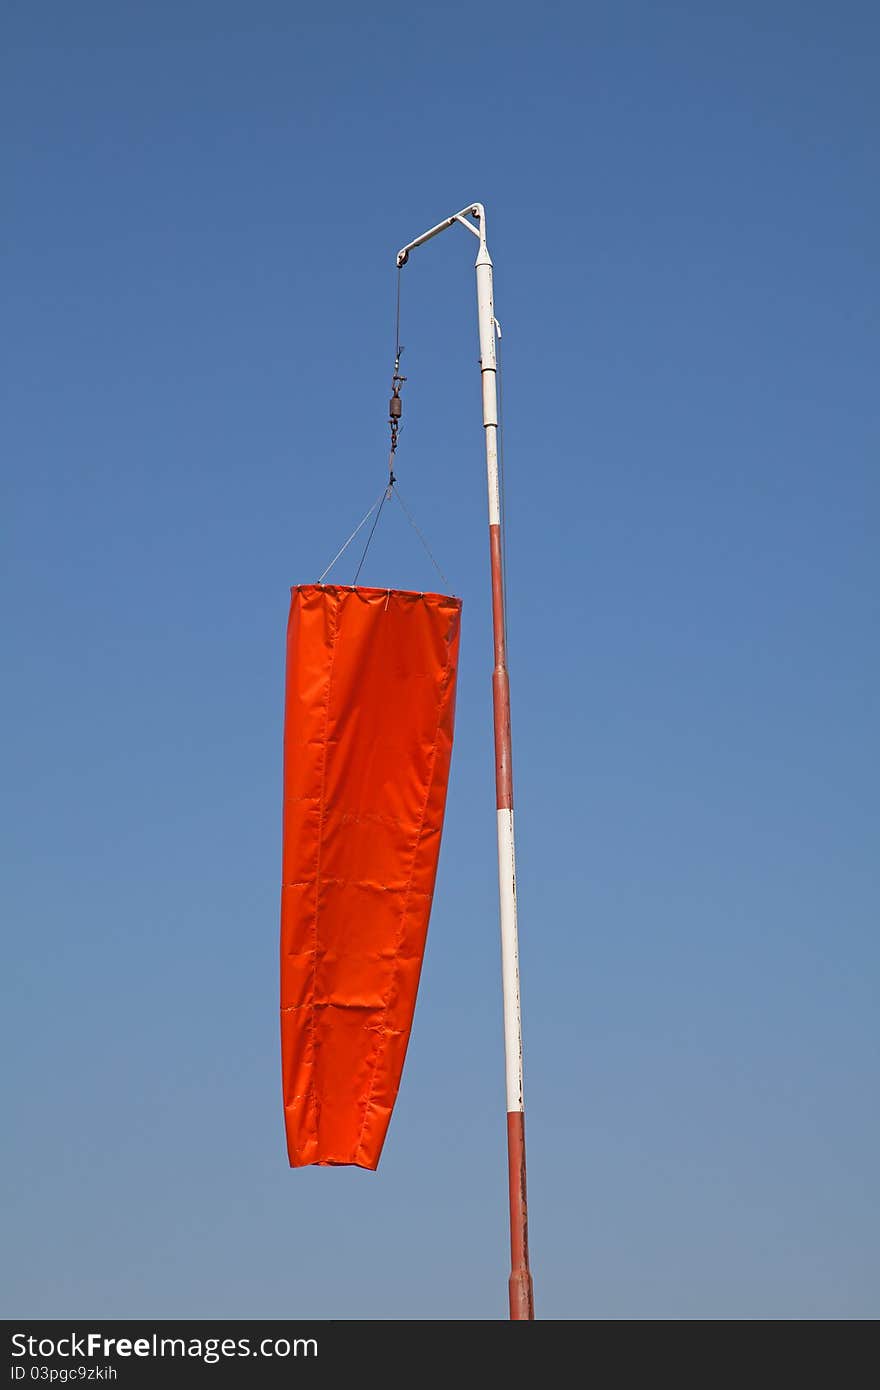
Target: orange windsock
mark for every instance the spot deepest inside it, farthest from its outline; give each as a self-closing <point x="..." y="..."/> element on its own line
<point x="369" y="713"/>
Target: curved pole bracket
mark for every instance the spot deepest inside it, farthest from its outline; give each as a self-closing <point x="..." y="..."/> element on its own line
<point x="476" y="210"/>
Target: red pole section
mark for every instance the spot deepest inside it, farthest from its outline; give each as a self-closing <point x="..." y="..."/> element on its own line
<point x="520" y="1283"/>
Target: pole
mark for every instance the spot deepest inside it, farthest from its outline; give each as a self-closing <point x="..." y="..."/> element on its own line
<point x="520" y="1282"/>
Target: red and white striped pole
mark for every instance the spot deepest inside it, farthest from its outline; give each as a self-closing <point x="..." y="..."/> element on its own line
<point x="520" y="1284"/>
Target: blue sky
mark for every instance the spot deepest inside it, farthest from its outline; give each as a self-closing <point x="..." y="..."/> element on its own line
<point x="201" y="208"/>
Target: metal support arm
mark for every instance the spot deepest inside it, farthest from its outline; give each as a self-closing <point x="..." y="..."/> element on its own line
<point x="475" y="209"/>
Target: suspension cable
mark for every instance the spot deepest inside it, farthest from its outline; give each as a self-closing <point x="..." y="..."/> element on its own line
<point x="412" y="522"/>
<point x="385" y="495"/>
<point x="363" y="521"/>
<point x="394" y="418"/>
<point x="395" y="405"/>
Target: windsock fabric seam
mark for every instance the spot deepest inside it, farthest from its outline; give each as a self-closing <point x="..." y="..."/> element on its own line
<point x="313" y="1092"/>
